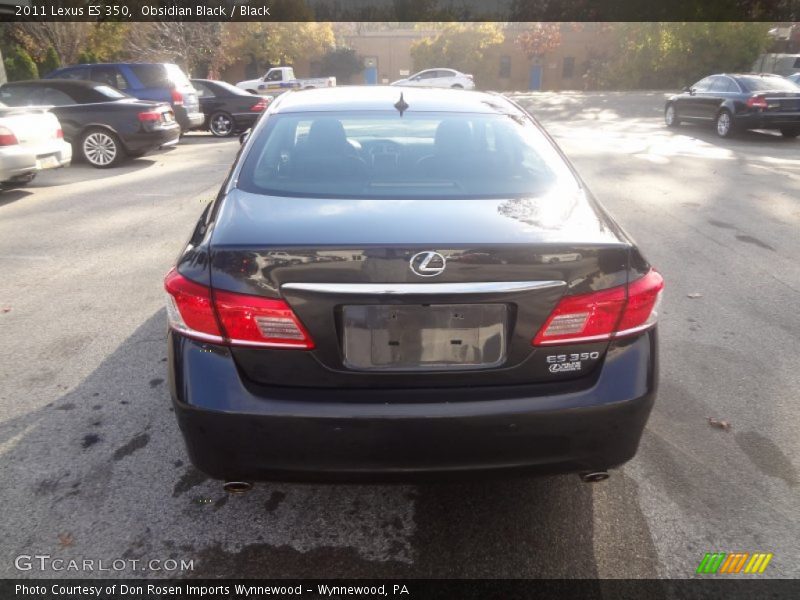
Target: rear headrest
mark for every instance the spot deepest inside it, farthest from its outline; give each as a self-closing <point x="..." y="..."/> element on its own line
<point x="453" y="136"/>
<point x="326" y="135"/>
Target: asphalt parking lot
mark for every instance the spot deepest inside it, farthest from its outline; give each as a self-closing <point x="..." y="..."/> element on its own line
<point x="94" y="467"/>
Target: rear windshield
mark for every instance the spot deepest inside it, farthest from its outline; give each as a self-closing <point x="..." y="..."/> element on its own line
<point x="416" y="155"/>
<point x="756" y="83"/>
<point x="232" y="88"/>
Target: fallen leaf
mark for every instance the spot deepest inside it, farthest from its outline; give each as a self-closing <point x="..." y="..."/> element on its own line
<point x="66" y="539"/>
<point x="724" y="425"/>
<point x="694" y="295"/>
<point x="5" y="309"/>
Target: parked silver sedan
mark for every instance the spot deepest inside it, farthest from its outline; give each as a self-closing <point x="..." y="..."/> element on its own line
<point x="31" y="139"/>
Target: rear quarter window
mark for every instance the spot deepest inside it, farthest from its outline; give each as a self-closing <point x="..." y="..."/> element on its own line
<point x="150" y="75"/>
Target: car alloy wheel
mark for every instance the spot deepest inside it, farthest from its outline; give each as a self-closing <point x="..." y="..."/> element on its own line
<point x="671" y="116"/>
<point x="100" y="148"/>
<point x="724" y="124"/>
<point x="221" y="124"/>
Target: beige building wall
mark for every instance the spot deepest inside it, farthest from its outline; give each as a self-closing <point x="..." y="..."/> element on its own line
<point x="392" y="49"/>
<point x="507" y="66"/>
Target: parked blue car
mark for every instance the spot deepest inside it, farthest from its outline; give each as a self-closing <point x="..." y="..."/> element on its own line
<point x="162" y="82"/>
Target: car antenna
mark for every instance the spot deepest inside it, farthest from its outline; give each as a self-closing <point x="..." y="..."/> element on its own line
<point x="401" y="105"/>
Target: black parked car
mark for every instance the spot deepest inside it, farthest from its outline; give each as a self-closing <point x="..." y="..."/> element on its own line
<point x="102" y="124"/>
<point x="228" y="109"/>
<point x="736" y="102"/>
<point x="157" y="82"/>
<point x="400" y="357"/>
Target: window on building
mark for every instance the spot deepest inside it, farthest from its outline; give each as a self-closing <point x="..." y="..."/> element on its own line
<point x="568" y="71"/>
<point x="505" y="66"/>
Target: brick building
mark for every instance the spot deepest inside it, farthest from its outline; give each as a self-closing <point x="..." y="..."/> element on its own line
<point x="387" y="57"/>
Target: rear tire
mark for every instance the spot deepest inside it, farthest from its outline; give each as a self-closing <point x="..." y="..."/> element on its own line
<point x="724" y="123"/>
<point x="457" y="86"/>
<point x="101" y="148"/>
<point x="221" y="124"/>
<point x="790" y="132"/>
<point x="671" y="115"/>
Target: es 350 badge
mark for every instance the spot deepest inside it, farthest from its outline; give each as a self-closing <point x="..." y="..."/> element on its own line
<point x="562" y="363"/>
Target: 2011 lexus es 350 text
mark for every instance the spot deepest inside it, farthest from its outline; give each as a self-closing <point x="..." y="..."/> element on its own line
<point x="454" y="299"/>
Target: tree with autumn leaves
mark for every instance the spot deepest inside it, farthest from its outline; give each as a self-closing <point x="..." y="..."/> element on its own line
<point x="537" y="39"/>
<point x="201" y="49"/>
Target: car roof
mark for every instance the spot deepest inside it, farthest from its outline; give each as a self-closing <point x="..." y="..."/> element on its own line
<point x="110" y="64"/>
<point x="384" y="97"/>
<point x="50" y="82"/>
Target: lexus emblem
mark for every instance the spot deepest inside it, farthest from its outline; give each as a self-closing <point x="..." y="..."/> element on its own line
<point x="428" y="264"/>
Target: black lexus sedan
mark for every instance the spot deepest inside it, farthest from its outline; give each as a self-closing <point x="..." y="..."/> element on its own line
<point x="103" y="124"/>
<point x="227" y="108"/>
<point x="404" y="355"/>
<point x="738" y="102"/>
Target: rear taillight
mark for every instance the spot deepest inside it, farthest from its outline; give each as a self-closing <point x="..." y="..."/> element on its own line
<point x="59" y="134"/>
<point x="470" y="76"/>
<point x="757" y="102"/>
<point x="7" y="137"/>
<point x="259" y="106"/>
<point x="236" y="319"/>
<point x="189" y="308"/>
<point x="149" y="116"/>
<point x="177" y="98"/>
<point x="258" y="321"/>
<point x="603" y="315"/>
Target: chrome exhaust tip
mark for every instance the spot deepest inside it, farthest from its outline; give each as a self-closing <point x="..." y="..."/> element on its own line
<point x="237" y="487"/>
<point x="594" y="476"/>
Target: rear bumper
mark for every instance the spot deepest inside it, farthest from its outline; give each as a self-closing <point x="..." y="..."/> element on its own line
<point x="233" y="432"/>
<point x="150" y="140"/>
<point x="768" y="121"/>
<point x="16" y="161"/>
<point x="188" y="120"/>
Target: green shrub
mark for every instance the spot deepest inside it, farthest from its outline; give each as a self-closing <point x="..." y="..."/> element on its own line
<point x="20" y="66"/>
<point x="51" y="61"/>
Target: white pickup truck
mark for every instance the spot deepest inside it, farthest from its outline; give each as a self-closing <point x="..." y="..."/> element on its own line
<point x="281" y="79"/>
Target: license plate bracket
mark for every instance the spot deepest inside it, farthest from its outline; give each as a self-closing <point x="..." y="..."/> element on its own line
<point x="424" y="337"/>
<point x="47" y="162"/>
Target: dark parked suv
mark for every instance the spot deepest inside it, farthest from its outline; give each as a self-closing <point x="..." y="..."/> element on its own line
<point x="405" y="280"/>
<point x="161" y="82"/>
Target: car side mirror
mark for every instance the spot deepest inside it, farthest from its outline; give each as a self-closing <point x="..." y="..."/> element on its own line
<point x="243" y="137"/>
<point x="691" y="91"/>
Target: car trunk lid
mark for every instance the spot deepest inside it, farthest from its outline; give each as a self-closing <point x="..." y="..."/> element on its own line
<point x="375" y="314"/>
